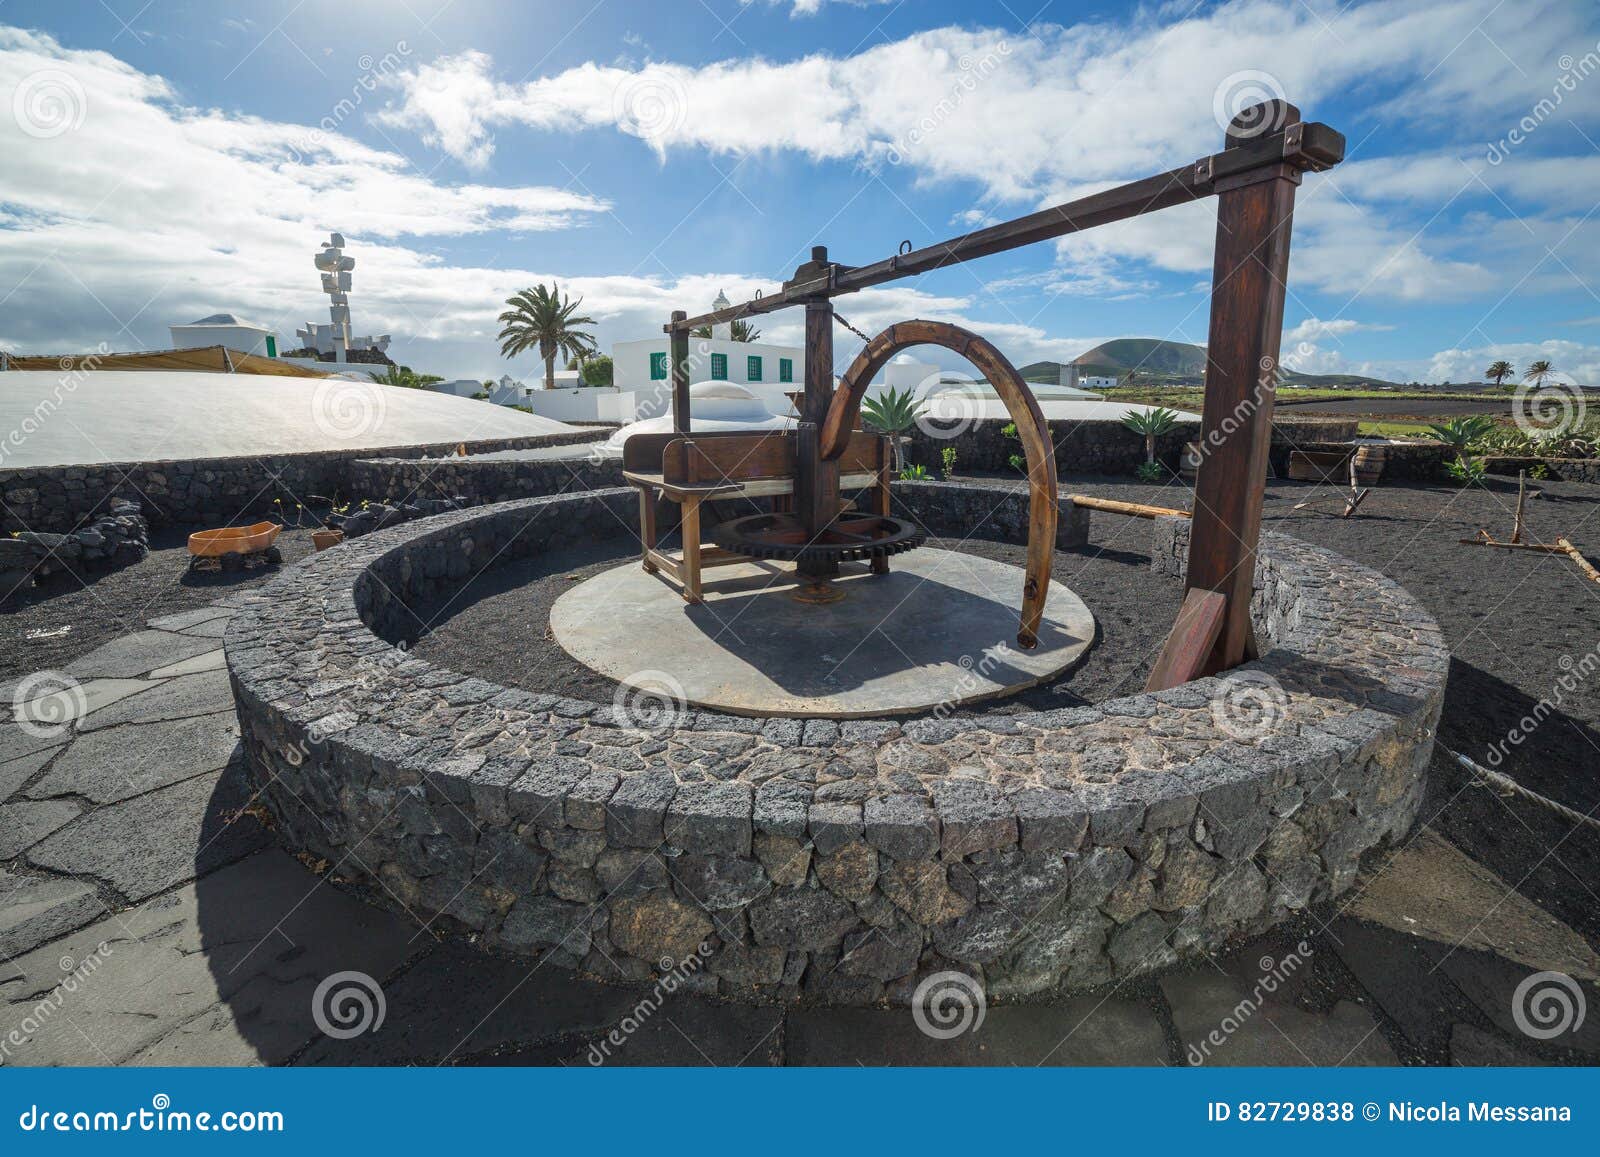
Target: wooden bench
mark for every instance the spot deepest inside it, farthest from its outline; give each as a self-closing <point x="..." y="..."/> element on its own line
<point x="690" y="469"/>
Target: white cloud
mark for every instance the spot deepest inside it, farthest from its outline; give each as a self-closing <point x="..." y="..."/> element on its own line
<point x="1572" y="361"/>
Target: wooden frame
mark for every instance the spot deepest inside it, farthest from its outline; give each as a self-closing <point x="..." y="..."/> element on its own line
<point x="1267" y="149"/>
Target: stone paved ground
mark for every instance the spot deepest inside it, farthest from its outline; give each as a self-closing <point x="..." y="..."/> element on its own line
<point x="147" y="918"/>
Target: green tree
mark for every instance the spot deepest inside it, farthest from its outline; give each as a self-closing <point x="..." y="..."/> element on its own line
<point x="740" y="330"/>
<point x="1537" y="372"/>
<point x="404" y="377"/>
<point x="548" y="321"/>
<point x="596" y="371"/>
<point x="1500" y="371"/>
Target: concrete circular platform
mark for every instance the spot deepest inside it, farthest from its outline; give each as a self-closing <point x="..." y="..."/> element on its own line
<point x="940" y="628"/>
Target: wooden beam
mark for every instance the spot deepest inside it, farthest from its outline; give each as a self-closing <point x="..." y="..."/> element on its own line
<point x="678" y="367"/>
<point x="1255" y="213"/>
<point x="1131" y="509"/>
<point x="1295" y="145"/>
<point x="1194" y="636"/>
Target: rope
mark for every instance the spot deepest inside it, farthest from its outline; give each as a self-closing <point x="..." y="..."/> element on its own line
<point x="1506" y="783"/>
<point x="851" y="328"/>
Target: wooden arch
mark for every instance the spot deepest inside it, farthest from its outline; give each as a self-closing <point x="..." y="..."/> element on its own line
<point x="845" y="409"/>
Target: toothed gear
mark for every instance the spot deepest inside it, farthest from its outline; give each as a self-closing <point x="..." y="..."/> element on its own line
<point x="849" y="537"/>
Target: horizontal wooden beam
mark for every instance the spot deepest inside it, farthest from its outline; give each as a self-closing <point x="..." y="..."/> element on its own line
<point x="1299" y="147"/>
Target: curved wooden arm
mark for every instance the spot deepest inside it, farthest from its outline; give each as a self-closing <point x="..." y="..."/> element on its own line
<point x="1023" y="407"/>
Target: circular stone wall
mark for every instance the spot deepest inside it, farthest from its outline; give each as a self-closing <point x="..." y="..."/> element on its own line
<point x="841" y="861"/>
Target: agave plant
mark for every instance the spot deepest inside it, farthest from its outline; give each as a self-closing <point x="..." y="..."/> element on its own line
<point x="893" y="412"/>
<point x="1462" y="434"/>
<point x="1151" y="424"/>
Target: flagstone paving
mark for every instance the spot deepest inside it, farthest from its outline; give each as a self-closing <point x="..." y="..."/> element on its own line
<point x="146" y="918"/>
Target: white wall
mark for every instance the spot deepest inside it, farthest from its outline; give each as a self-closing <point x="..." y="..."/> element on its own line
<point x="244" y="338"/>
<point x="1096" y="383"/>
<point x="630" y="362"/>
<point x="585" y="404"/>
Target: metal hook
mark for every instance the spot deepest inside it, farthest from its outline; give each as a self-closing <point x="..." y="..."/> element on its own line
<point x="905" y="247"/>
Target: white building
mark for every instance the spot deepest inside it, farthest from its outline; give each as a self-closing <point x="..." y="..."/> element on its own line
<point x="225" y="329"/>
<point x="1096" y="382"/>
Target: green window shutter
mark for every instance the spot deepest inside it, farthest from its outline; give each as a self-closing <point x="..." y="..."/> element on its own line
<point x="786" y="369"/>
<point x="719" y="367"/>
<point x="753" y="368"/>
<point x="658" y="367"/>
<point x="272" y="346"/>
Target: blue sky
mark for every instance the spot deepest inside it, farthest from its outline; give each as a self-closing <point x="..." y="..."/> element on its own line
<point x="173" y="159"/>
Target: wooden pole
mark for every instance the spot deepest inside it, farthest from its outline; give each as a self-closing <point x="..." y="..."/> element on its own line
<point x="816" y="489"/>
<point x="1522" y="496"/>
<point x="678" y="363"/>
<point x="1132" y="509"/>
<point x="1255" y="212"/>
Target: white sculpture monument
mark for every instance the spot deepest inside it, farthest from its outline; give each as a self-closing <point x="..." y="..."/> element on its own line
<point x="335" y="338"/>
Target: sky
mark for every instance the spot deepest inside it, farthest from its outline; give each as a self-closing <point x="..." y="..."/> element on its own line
<point x="162" y="161"/>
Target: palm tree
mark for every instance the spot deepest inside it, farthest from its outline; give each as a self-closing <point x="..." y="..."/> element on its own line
<point x="740" y="330"/>
<point x="1537" y="372"/>
<point x="1152" y="424"/>
<point x="893" y="413"/>
<point x="546" y="319"/>
<point x="1500" y="371"/>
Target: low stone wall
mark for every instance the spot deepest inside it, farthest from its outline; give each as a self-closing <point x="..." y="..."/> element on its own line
<point x="120" y="537"/>
<point x="206" y="491"/>
<point x="1556" y="469"/>
<point x="841" y="862"/>
<point x="401" y="480"/>
<point x="1402" y="461"/>
<point x="1101" y="447"/>
<point x="968" y="510"/>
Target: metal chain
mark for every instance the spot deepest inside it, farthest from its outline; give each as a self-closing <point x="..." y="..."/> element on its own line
<point x="851" y="328"/>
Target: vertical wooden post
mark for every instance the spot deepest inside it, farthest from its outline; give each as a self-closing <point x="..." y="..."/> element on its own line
<point x="678" y="363"/>
<point x="816" y="489"/>
<point x="1255" y="213"/>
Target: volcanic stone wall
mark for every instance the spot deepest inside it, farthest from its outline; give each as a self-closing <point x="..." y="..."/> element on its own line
<point x="834" y="861"/>
<point x="206" y="491"/>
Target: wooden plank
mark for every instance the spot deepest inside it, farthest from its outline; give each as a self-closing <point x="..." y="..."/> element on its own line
<point x="1248" y="278"/>
<point x="647" y="526"/>
<point x="691" y="550"/>
<point x="1577" y="556"/>
<point x="1193" y="638"/>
